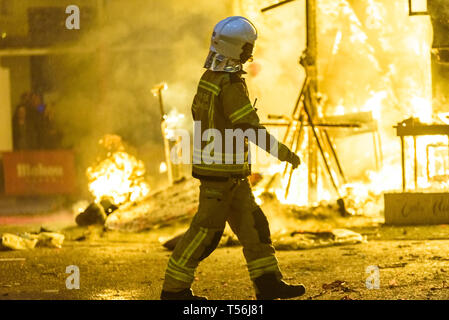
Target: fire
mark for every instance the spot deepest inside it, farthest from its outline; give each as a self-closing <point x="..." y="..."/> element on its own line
<point x="374" y="104"/>
<point x="120" y="176"/>
<point x="277" y="186"/>
<point x="382" y="56"/>
<point x="173" y="120"/>
<point x="422" y="109"/>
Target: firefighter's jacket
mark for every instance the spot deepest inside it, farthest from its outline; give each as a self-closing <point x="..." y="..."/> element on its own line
<point x="222" y="103"/>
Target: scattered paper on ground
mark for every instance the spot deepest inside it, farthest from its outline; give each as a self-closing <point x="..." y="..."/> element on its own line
<point x="13" y="242"/>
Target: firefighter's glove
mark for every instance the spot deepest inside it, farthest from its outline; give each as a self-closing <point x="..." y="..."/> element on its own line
<point x="294" y="160"/>
<point x="285" y="154"/>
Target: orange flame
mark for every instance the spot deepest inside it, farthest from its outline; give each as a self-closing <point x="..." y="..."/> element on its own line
<point x="119" y="177"/>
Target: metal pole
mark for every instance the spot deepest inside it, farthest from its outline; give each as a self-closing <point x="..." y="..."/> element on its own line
<point x="164" y="137"/>
<point x="427" y="163"/>
<point x="334" y="154"/>
<point x="403" y="164"/>
<point x="161" y="103"/>
<point x="312" y="91"/>
<point x="416" y="163"/>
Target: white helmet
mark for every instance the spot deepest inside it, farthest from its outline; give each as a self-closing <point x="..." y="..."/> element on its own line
<point x="231" y="34"/>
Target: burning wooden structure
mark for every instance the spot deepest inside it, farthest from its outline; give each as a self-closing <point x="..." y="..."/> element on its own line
<point x="368" y="21"/>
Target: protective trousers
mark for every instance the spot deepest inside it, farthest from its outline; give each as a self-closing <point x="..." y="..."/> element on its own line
<point x="231" y="201"/>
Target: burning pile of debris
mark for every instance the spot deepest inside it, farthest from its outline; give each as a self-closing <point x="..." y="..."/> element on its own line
<point x="122" y="199"/>
<point x="117" y="179"/>
<point x="123" y="202"/>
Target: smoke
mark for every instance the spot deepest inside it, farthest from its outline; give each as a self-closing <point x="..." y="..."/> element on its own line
<point x="367" y="49"/>
<point x="138" y="44"/>
<point x="275" y="77"/>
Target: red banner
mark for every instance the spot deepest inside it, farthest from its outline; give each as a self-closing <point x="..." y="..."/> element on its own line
<point x="39" y="172"/>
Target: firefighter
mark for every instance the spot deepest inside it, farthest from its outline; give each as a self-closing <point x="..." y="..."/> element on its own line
<point x="222" y="104"/>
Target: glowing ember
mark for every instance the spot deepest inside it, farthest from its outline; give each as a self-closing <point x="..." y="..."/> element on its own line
<point x="119" y="177"/>
<point x="163" y="167"/>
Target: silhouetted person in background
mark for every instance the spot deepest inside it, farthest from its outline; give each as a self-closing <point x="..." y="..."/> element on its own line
<point x="24" y="132"/>
<point x="33" y="125"/>
<point x="20" y="129"/>
<point x="36" y="111"/>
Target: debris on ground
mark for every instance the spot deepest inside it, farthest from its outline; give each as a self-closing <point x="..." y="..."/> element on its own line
<point x="48" y="239"/>
<point x="337" y="286"/>
<point x="227" y="240"/>
<point x="300" y="240"/>
<point x="174" y="204"/>
<point x="393" y="265"/>
<point x="393" y="283"/>
<point x="14" y="242"/>
<point x="29" y="241"/>
<point x="94" y="214"/>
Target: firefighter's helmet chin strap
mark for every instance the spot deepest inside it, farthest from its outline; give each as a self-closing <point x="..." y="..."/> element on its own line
<point x="217" y="62"/>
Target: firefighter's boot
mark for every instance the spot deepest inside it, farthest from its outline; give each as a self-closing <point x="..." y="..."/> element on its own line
<point x="185" y="294"/>
<point x="269" y="287"/>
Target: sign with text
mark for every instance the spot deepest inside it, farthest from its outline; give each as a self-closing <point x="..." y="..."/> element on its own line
<point x="416" y="208"/>
<point x="39" y="172"/>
